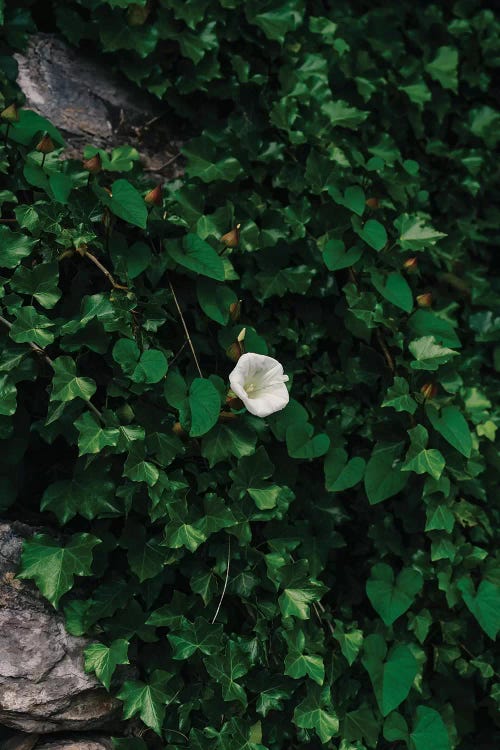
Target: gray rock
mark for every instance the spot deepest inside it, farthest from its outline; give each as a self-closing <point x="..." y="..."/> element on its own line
<point x="78" y="743"/>
<point x="43" y="686"/>
<point x="91" y="104"/>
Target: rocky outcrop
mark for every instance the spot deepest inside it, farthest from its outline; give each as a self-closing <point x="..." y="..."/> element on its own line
<point x="90" y="104"/>
<point x="43" y="686"/>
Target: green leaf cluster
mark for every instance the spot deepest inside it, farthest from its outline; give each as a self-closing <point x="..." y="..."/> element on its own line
<point x="330" y="575"/>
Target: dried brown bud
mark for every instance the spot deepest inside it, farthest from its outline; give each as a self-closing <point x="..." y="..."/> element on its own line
<point x="235" y="311"/>
<point x="178" y="430"/>
<point x="155" y="196"/>
<point x="372" y="203"/>
<point x="93" y="165"/>
<point x="46" y="145"/>
<point x="10" y="113"/>
<point x="234" y="351"/>
<point x="137" y="14"/>
<point x="233" y="402"/>
<point x="424" y="300"/>
<point x="429" y="390"/>
<point x="410" y="265"/>
<point x="232" y="238"/>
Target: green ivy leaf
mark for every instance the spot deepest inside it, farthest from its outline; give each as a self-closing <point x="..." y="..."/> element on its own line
<point x="126" y="203"/>
<point x="383" y="477"/>
<point x="215" y="300"/>
<point x="199" y="635"/>
<point x="66" y="385"/>
<point x="31" y="326"/>
<point x="103" y="660"/>
<point x="391" y="674"/>
<point x="92" y="437"/>
<point x="361" y="724"/>
<point x="420" y="459"/>
<point x="428" y="354"/>
<point x="444" y="68"/>
<point x="337" y="257"/>
<point x="298" y="665"/>
<point x="301" y="443"/>
<point x="197" y="255"/>
<point x="138" y="469"/>
<point x="429" y="730"/>
<point x="204" y="406"/>
<point x="53" y="568"/>
<point x="452" y="425"/>
<point x="15" y="246"/>
<point x="394" y="288"/>
<point x="415" y="233"/>
<point x="398" y="396"/>
<point x="316" y="712"/>
<point x="8" y="396"/>
<point x="227" y="669"/>
<point x="350" y="642"/>
<point x="149" y="700"/>
<point x="39" y="282"/>
<point x="373" y="233"/>
<point x="483" y="603"/>
<point x="392" y="597"/>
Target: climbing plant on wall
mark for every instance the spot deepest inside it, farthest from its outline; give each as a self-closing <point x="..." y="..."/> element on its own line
<point x="323" y="574"/>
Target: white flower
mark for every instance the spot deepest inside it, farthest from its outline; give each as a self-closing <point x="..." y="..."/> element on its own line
<point x="259" y="381"/>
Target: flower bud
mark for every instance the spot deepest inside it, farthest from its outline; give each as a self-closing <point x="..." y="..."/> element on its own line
<point x="154" y="197"/>
<point x="46" y="145"/>
<point x="410" y="265"/>
<point x="429" y="390"/>
<point x="232" y="238"/>
<point x="234" y="351"/>
<point x="125" y="413"/>
<point x="372" y="203"/>
<point x="235" y="311"/>
<point x="93" y="165"/>
<point x="178" y="430"/>
<point x="137" y="14"/>
<point x="241" y="335"/>
<point x="233" y="402"/>
<point x="10" y="113"/>
<point x="424" y="300"/>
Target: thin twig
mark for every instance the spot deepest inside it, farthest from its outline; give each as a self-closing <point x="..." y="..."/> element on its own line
<point x="178" y="353"/>
<point x="316" y="611"/>
<point x="104" y="270"/>
<point x="225" y="582"/>
<point x="186" y="331"/>
<point x="41" y="353"/>
<point x="163" y="166"/>
<point x="385" y="350"/>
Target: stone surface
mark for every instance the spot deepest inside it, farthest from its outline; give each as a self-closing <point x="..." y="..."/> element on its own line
<point x="43" y="686"/>
<point x="77" y="743"/>
<point x="90" y="104"/>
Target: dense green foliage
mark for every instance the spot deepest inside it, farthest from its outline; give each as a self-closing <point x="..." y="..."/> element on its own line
<point x="358" y="528"/>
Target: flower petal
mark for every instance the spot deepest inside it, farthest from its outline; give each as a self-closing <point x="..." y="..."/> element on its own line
<point x="274" y="398"/>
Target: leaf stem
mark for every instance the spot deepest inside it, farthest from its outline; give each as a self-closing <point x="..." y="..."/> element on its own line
<point x="186" y="331"/>
<point x="104" y="270"/>
<point x="226" y="580"/>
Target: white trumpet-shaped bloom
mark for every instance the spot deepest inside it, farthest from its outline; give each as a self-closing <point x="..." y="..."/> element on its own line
<point x="259" y="381"/>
